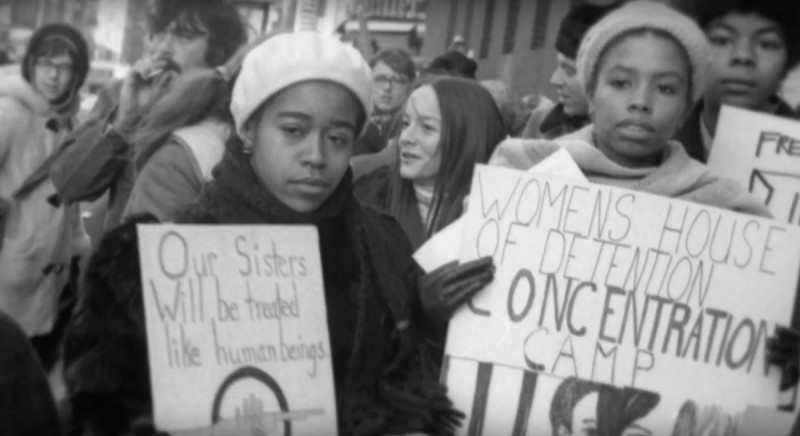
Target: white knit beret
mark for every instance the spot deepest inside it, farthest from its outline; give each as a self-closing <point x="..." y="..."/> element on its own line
<point x="290" y="58"/>
<point x="641" y="15"/>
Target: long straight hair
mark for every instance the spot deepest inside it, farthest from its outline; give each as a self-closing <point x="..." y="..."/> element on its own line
<point x="471" y="128"/>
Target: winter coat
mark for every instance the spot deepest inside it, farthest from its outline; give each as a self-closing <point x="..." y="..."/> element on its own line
<point x="41" y="234"/>
<point x="383" y="373"/>
<point x="173" y="175"/>
<point x="375" y="190"/>
<point x="678" y="176"/>
<point x="95" y="159"/>
<point x="377" y="134"/>
<point x="27" y="407"/>
<point x="550" y="122"/>
<point x="691" y="136"/>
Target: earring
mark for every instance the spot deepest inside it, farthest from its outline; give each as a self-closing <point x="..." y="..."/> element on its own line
<point x="247" y="144"/>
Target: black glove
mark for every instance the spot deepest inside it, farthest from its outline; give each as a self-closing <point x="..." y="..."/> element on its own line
<point x="783" y="350"/>
<point x="145" y="426"/>
<point x="446" y="288"/>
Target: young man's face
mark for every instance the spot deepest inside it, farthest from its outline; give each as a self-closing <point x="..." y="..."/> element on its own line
<point x="748" y="60"/>
<point x="570" y="93"/>
<point x="389" y="88"/>
<point x="185" y="46"/>
<point x="52" y="76"/>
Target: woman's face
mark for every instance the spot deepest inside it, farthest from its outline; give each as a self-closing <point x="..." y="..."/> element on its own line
<point x="420" y="157"/>
<point x="302" y="141"/>
<point x="748" y="60"/>
<point x="640" y="98"/>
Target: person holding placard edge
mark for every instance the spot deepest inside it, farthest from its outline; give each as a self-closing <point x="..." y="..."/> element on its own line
<point x="298" y="105"/>
<point x="754" y="45"/>
<point x="643" y="67"/>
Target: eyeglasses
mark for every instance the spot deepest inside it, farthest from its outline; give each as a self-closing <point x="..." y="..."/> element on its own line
<point x="386" y="80"/>
<point x="47" y="66"/>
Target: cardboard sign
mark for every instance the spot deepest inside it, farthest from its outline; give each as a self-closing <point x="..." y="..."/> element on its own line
<point x="444" y="246"/>
<point x="237" y="329"/>
<point x="614" y="309"/>
<point x="762" y="152"/>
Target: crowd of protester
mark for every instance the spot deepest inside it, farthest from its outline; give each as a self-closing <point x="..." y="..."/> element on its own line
<point x="301" y="128"/>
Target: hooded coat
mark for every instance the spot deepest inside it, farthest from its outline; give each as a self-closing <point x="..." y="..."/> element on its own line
<point x="41" y="234"/>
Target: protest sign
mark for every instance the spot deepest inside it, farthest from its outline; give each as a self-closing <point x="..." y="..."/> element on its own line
<point x="614" y="309"/>
<point x="237" y="329"/>
<point x="762" y="153"/>
<point x="443" y="247"/>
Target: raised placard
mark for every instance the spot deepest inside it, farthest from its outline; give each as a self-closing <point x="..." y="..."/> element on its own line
<point x="762" y="153"/>
<point x="237" y="329"/>
<point x="615" y="310"/>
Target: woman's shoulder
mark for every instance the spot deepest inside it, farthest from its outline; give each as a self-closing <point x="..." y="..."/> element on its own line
<point x="522" y="154"/>
<point x="372" y="189"/>
<point x="196" y="213"/>
<point x="386" y="225"/>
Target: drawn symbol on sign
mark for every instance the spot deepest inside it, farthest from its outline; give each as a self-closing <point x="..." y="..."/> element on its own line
<point x="780" y="193"/>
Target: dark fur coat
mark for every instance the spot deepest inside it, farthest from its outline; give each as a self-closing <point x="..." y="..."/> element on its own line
<point x="384" y="371"/>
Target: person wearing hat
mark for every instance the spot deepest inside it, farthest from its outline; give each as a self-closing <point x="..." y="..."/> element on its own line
<point x="754" y="46"/>
<point x="298" y="105"/>
<point x="643" y="67"/>
<point x="572" y="110"/>
<point x="41" y="235"/>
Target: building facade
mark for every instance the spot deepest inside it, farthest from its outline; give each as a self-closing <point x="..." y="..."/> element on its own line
<point x="511" y="40"/>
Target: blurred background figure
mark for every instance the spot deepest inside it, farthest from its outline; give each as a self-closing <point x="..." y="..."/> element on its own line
<point x="754" y="46"/>
<point x="393" y="70"/>
<point x="453" y="63"/>
<point x="572" y="110"/>
<point x="187" y="35"/>
<point x="42" y="237"/>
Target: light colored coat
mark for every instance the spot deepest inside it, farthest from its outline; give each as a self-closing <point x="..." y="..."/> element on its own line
<point x="40" y="238"/>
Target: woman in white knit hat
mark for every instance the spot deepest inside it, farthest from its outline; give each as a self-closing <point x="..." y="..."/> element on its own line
<point x="298" y="105"/>
<point x="643" y="67"/>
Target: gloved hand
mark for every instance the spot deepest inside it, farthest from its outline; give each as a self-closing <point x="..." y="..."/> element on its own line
<point x="446" y="288"/>
<point x="144" y="426"/>
<point x="783" y="350"/>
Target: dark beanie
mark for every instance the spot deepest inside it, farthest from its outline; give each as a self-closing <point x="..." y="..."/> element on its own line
<point x="453" y="63"/>
<point x="578" y="20"/>
<point x="79" y="52"/>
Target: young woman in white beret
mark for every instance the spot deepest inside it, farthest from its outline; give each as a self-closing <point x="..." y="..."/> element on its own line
<point x="298" y="105"/>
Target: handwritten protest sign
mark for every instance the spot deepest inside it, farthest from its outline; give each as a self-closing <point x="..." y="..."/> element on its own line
<point x="237" y="328"/>
<point x="615" y="309"/>
<point x="443" y="247"/>
<point x="762" y="152"/>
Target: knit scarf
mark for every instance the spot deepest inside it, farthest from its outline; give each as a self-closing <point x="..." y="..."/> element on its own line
<point x="677" y="176"/>
<point x="383" y="383"/>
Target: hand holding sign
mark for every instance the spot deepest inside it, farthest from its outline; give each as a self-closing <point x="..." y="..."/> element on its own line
<point x="448" y="287"/>
<point x="644" y="300"/>
<point x="783" y="350"/>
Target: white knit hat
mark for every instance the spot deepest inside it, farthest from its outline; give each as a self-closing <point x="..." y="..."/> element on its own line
<point x="291" y="58"/>
<point x="640" y="15"/>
